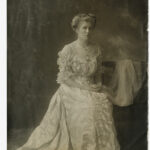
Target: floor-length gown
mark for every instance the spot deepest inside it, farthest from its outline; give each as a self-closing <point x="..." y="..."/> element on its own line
<point x="76" y="119"/>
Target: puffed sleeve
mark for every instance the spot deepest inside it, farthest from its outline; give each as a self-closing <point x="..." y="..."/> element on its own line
<point x="64" y="62"/>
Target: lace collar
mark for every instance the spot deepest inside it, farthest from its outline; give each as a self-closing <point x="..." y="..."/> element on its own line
<point x="92" y="52"/>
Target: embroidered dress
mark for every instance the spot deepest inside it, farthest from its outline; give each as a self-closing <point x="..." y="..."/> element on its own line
<point x="77" y="118"/>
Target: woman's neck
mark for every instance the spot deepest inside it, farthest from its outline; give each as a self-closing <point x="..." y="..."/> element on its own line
<point x="83" y="43"/>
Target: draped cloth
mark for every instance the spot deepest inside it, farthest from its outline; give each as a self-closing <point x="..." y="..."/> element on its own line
<point x="126" y="82"/>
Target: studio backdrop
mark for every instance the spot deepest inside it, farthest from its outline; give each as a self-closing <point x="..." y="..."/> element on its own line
<point x="37" y="30"/>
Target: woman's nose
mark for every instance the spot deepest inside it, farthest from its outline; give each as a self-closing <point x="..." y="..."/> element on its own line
<point x="87" y="30"/>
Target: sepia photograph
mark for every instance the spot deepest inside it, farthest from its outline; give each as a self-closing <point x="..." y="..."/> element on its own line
<point x="77" y="75"/>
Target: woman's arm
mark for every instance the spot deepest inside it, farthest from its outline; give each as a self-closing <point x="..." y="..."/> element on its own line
<point x="72" y="82"/>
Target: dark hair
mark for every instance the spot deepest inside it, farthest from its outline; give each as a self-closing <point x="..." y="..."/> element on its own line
<point x="83" y="17"/>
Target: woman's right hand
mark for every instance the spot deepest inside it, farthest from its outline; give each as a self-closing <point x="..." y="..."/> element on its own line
<point x="94" y="87"/>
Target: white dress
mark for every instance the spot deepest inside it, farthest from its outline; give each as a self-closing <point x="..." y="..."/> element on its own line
<point x="76" y="119"/>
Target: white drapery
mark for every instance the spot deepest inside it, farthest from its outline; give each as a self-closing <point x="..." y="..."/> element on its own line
<point x="126" y="81"/>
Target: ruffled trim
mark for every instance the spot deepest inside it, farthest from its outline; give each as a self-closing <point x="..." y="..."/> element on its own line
<point x="64" y="63"/>
<point x="69" y="64"/>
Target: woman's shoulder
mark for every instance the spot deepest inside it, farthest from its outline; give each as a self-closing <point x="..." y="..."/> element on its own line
<point x="71" y="46"/>
<point x="68" y="47"/>
<point x="97" y="49"/>
<point x="66" y="50"/>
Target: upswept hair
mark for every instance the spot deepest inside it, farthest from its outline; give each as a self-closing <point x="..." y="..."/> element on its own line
<point x="83" y="17"/>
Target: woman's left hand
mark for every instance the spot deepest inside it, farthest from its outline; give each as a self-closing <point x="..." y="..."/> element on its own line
<point x="108" y="92"/>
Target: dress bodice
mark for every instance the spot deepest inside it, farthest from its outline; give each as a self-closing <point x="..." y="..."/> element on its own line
<point x="82" y="68"/>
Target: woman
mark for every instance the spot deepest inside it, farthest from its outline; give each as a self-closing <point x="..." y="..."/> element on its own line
<point x="79" y="116"/>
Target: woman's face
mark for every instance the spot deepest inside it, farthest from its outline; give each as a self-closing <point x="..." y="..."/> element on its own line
<point x="84" y="30"/>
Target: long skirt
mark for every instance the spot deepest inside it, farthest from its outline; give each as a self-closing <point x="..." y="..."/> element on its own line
<point x="76" y="119"/>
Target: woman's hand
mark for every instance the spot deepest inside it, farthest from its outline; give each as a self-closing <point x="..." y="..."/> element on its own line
<point x="96" y="87"/>
<point x="108" y="92"/>
<point x="92" y="87"/>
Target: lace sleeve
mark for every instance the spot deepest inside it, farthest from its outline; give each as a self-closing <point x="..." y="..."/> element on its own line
<point x="64" y="63"/>
<point x="98" y="75"/>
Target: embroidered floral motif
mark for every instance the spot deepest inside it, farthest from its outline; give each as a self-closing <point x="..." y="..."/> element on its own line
<point x="70" y="65"/>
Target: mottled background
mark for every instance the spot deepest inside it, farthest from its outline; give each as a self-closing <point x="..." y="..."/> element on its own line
<point x="37" y="30"/>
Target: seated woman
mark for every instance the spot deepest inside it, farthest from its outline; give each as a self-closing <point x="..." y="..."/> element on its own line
<point x="79" y="116"/>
